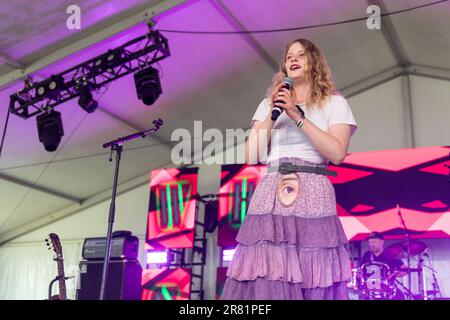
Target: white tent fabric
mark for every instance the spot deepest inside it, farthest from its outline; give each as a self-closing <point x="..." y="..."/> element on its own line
<point x="28" y="268"/>
<point x="30" y="255"/>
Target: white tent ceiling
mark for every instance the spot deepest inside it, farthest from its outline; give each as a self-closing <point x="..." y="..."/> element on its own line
<point x="219" y="79"/>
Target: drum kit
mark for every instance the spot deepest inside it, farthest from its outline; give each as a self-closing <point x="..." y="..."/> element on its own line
<point x="377" y="281"/>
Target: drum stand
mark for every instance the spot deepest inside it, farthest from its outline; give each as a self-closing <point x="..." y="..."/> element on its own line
<point x="421" y="279"/>
<point x="408" y="294"/>
<point x="436" y="290"/>
<point x="405" y="232"/>
<point x="423" y="294"/>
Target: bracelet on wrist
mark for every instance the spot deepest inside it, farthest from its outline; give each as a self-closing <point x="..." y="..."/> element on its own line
<point x="299" y="123"/>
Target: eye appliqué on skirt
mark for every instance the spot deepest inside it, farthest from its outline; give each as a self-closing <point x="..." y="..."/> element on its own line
<point x="288" y="189"/>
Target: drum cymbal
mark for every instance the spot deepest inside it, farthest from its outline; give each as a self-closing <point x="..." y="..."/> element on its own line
<point x="398" y="249"/>
<point x="409" y="270"/>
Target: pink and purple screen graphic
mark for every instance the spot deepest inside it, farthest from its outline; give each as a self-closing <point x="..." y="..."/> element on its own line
<point x="237" y="184"/>
<point x="166" y="284"/>
<point x="172" y="208"/>
<point x="371" y="188"/>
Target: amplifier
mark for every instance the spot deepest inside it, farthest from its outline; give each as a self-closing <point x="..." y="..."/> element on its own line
<point x="123" y="282"/>
<point x="122" y="247"/>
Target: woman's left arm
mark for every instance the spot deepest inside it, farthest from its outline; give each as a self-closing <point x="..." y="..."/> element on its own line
<point x="332" y="145"/>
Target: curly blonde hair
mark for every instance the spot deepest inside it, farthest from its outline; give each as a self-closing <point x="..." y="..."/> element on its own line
<point x="317" y="73"/>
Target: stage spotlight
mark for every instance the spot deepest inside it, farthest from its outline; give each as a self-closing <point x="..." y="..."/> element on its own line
<point x="53" y="84"/>
<point x="40" y="91"/>
<point x="86" y="101"/>
<point x="148" y="86"/>
<point x="109" y="61"/>
<point x="111" y="56"/>
<point x="50" y="129"/>
<point x="51" y="87"/>
<point x="98" y="63"/>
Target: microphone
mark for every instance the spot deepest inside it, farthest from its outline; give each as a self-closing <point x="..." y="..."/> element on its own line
<point x="276" y="111"/>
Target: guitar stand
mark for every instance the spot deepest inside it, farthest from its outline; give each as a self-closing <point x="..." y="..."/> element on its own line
<point x="50" y="286"/>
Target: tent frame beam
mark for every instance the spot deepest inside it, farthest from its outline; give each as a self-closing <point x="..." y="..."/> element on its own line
<point x="372" y="81"/>
<point x="11" y="61"/>
<point x="391" y="36"/>
<point x="39" y="188"/>
<point x="408" y="111"/>
<point x="393" y="73"/>
<point x="72" y="209"/>
<point x="238" y="26"/>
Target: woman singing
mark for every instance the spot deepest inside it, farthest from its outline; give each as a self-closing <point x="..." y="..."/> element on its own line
<point x="291" y="244"/>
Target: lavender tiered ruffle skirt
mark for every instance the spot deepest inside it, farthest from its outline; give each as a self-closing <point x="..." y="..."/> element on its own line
<point x="291" y="244"/>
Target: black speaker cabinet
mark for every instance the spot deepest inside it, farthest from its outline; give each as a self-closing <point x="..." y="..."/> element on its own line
<point x="123" y="281"/>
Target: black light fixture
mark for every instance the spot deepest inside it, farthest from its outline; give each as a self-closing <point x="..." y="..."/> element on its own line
<point x="109" y="61"/>
<point x="40" y="91"/>
<point x="86" y="100"/>
<point x="114" y="58"/>
<point x="51" y="87"/>
<point x="50" y="129"/>
<point x="135" y="55"/>
<point x="148" y="86"/>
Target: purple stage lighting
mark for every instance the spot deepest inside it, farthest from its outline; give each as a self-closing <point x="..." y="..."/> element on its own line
<point x="156" y="257"/>
<point x="228" y="254"/>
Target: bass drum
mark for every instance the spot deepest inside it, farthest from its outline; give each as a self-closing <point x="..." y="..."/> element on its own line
<point x="374" y="282"/>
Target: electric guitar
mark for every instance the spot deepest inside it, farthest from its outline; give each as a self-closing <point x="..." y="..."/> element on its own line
<point x="54" y="243"/>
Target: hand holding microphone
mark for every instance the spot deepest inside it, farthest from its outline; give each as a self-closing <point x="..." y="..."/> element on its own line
<point x="276" y="110"/>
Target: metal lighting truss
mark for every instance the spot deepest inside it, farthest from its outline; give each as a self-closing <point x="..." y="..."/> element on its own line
<point x="41" y="97"/>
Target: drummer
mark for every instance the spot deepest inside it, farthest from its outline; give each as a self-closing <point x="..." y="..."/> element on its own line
<point x="376" y="253"/>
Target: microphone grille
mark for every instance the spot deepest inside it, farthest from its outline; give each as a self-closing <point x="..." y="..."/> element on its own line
<point x="288" y="81"/>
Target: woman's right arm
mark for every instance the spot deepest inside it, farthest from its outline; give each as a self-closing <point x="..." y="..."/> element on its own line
<point x="261" y="130"/>
<point x="259" y="134"/>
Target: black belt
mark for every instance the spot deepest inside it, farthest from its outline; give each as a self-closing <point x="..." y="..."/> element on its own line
<point x="287" y="167"/>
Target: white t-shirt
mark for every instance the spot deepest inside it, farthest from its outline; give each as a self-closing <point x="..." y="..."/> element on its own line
<point x="290" y="141"/>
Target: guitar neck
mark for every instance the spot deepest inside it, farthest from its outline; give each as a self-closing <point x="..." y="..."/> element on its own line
<point x="61" y="279"/>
